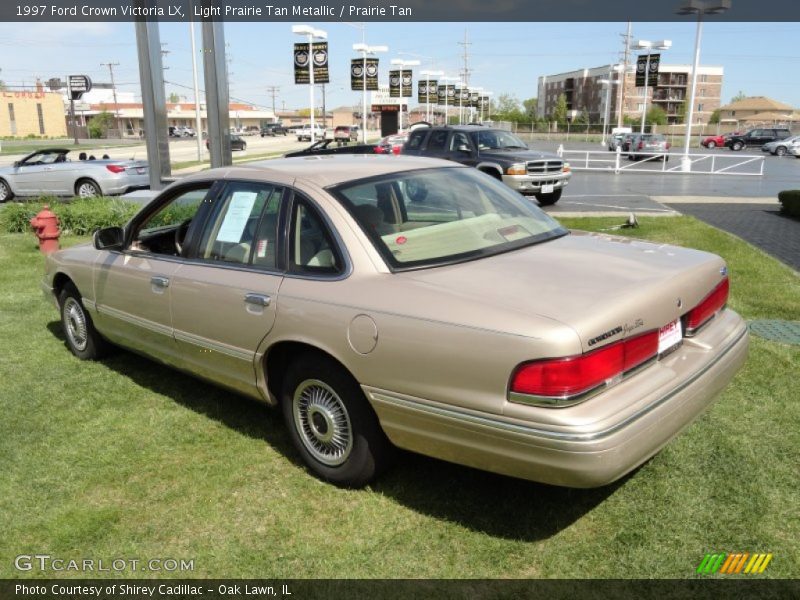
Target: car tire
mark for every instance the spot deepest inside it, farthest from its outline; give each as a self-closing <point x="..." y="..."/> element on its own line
<point x="780" y="151"/>
<point x="736" y="146"/>
<point x="83" y="340"/>
<point x="87" y="188"/>
<point x="549" y="199"/>
<point x="331" y="423"/>
<point x="5" y="191"/>
<point x="712" y="144"/>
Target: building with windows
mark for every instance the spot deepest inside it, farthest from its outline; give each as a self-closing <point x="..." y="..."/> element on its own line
<point x="585" y="93"/>
<point x="758" y="110"/>
<point x="34" y="113"/>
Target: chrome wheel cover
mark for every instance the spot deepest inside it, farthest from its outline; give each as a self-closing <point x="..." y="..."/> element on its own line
<point x="3" y="191"/>
<point x="87" y="190"/>
<point x="75" y="324"/>
<point x="322" y="422"/>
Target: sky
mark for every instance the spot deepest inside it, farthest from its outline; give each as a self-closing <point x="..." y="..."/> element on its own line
<point x="760" y="59"/>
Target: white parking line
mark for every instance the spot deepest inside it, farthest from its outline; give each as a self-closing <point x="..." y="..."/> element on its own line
<point x="625" y="208"/>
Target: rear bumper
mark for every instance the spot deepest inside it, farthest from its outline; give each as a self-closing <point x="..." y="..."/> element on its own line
<point x="656" y="405"/>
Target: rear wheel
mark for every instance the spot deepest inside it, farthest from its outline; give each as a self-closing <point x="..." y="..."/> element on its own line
<point x="780" y="151"/>
<point x="331" y="423"/>
<point x="712" y="144"/>
<point x="82" y="338"/>
<point x="5" y="192"/>
<point x="549" y="199"/>
<point x="87" y="188"/>
<point x="737" y="146"/>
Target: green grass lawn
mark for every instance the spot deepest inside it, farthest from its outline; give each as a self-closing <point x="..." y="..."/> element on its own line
<point x="125" y="458"/>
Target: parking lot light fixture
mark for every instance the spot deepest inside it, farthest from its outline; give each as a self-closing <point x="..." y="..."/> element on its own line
<point x="699" y="8"/>
<point x="399" y="62"/>
<point x="649" y="47"/>
<point x="364" y="49"/>
<point x="311" y="33"/>
<point x="428" y="75"/>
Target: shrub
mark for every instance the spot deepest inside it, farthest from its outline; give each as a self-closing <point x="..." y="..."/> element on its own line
<point x="79" y="217"/>
<point x="790" y="203"/>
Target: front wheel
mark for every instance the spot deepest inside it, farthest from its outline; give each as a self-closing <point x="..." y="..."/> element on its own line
<point x="549" y="199"/>
<point x="5" y="192"/>
<point x="736" y="146"/>
<point x="86" y="188"/>
<point x="780" y="151"/>
<point x="712" y="144"/>
<point x="83" y="339"/>
<point x="331" y="423"/>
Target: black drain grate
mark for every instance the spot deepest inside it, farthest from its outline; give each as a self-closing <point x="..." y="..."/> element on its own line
<point x="786" y="332"/>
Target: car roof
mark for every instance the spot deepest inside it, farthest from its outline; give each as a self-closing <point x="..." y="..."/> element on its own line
<point x="329" y="169"/>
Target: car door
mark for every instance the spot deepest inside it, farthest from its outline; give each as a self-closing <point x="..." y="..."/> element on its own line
<point x="133" y="286"/>
<point x="437" y="144"/>
<point x="29" y="175"/>
<point x="224" y="299"/>
<point x="460" y="149"/>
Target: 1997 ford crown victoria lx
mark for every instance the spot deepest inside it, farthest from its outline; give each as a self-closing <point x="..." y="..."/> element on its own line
<point x="386" y="301"/>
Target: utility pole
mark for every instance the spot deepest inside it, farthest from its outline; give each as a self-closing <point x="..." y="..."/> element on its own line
<point x="273" y="90"/>
<point x="111" y="66"/>
<point x="465" y="72"/>
<point x="624" y="75"/>
<point x="324" y="110"/>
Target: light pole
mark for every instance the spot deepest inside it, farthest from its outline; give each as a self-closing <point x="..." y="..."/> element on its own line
<point x="312" y="34"/>
<point x="608" y="83"/>
<point x="699" y="8"/>
<point x="403" y="63"/>
<point x="649" y="46"/>
<point x="428" y="75"/>
<point x="364" y="49"/>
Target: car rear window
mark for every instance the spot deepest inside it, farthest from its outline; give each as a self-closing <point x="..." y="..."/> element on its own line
<point x="429" y="217"/>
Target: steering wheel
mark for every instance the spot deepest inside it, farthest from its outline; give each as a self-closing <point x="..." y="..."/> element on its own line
<point x="180" y="235"/>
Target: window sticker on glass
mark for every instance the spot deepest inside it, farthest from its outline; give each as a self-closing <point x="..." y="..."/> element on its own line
<point x="239" y="209"/>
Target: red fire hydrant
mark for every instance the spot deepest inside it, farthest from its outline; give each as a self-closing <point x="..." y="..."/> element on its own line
<point x="45" y="226"/>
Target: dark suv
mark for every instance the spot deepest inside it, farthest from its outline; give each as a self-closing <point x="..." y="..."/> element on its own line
<point x="273" y="129"/>
<point x="757" y="137"/>
<point x="498" y="153"/>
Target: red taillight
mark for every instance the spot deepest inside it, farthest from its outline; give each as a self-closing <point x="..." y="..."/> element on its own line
<point x="715" y="301"/>
<point x="565" y="377"/>
<point x="115" y="168"/>
<point x="669" y="145"/>
<point x="640" y="146"/>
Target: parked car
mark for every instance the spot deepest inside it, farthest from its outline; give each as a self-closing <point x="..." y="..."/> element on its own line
<point x="52" y="172"/>
<point x="626" y="141"/>
<point x="615" y="141"/>
<point x="181" y="131"/>
<point x="781" y="147"/>
<point x="345" y="133"/>
<point x="305" y="133"/>
<point x="649" y="146"/>
<point x="714" y="141"/>
<point x="391" y="144"/>
<point x="237" y="143"/>
<point x="757" y="137"/>
<point x="331" y="146"/>
<point x="404" y="301"/>
<point x="498" y="153"/>
<point x="272" y="130"/>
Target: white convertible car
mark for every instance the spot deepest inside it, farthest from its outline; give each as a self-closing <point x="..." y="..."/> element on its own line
<point x="51" y="172"/>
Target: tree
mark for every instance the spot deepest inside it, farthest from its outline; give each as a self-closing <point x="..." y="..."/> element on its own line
<point x="2" y="85"/>
<point x="656" y="116"/>
<point x="174" y="98"/>
<point x="506" y="103"/>
<point x="99" y="124"/>
<point x="530" y="105"/>
<point x="714" y="118"/>
<point x="559" y="114"/>
<point x="738" y="97"/>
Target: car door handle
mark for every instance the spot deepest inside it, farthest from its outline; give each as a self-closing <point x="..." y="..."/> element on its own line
<point x="161" y="282"/>
<point x="257" y="299"/>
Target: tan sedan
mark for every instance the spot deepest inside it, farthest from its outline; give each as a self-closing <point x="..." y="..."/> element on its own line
<point x="386" y="302"/>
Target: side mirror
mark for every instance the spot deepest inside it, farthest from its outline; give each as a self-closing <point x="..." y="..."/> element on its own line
<point x="109" y="238"/>
<point x="17" y="164"/>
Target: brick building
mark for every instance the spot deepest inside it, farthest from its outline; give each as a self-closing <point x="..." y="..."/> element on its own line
<point x="585" y="93"/>
<point x="31" y="113"/>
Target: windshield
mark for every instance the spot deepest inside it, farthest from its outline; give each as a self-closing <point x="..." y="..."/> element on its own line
<point x="495" y="139"/>
<point x="436" y="216"/>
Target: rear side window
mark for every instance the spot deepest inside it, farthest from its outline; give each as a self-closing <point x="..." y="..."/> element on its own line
<point x="311" y="247"/>
<point x="415" y="140"/>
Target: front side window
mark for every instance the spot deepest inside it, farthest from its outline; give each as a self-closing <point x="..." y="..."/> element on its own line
<point x="435" y="216"/>
<point x="163" y="232"/>
<point x="497" y="140"/>
<point x="243" y="224"/>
